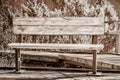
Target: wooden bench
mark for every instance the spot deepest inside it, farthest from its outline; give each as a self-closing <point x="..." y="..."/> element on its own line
<point x="92" y="26"/>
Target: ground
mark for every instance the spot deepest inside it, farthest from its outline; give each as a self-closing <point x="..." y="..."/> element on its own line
<point x="55" y="75"/>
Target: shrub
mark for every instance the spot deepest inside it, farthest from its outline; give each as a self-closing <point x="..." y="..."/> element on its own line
<point x="77" y="8"/>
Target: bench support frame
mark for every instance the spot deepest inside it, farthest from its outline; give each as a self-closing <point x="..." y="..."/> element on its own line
<point x="94" y="41"/>
<point x="17" y="60"/>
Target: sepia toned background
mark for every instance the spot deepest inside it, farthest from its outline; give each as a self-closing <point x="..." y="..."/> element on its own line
<point x="56" y="8"/>
<point x="53" y="8"/>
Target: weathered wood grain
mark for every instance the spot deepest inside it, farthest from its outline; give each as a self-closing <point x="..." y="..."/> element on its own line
<point x="59" y="26"/>
<point x="118" y="43"/>
<point x="58" y="21"/>
<point x="105" y="61"/>
<point x="56" y="46"/>
<point x="59" y="30"/>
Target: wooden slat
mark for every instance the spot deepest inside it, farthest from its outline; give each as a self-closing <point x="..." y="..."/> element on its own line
<point x="40" y="56"/>
<point x="59" y="30"/>
<point x="56" y="46"/>
<point x="104" y="60"/>
<point x="59" y="21"/>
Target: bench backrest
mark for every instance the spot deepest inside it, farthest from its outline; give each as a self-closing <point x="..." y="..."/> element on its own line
<point x="59" y="26"/>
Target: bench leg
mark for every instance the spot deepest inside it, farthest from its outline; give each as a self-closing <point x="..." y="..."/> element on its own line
<point x="17" y="60"/>
<point x="94" y="62"/>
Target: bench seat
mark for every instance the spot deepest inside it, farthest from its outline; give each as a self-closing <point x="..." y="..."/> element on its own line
<point x="97" y="47"/>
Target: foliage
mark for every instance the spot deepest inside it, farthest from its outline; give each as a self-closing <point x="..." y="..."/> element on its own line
<point x="77" y="8"/>
<point x="5" y="25"/>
